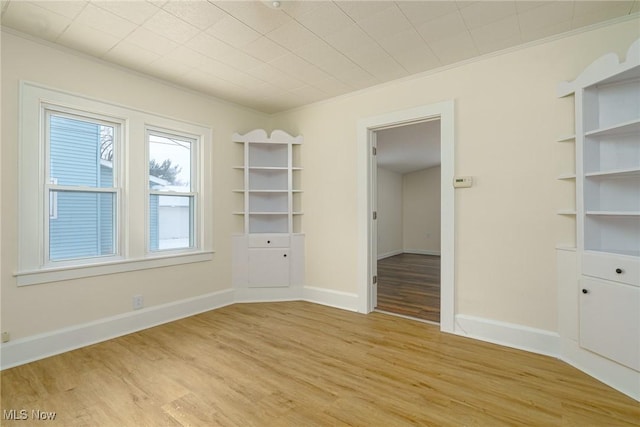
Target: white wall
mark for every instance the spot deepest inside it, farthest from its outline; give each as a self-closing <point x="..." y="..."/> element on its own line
<point x="507" y="119"/>
<point x="389" y="213"/>
<point x="421" y="211"/>
<point x="36" y="309"/>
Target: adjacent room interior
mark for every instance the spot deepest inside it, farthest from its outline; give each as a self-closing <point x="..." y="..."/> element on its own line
<point x="408" y="220"/>
<point x="191" y="234"/>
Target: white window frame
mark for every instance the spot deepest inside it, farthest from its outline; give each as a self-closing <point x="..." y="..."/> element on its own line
<point x="48" y="109"/>
<point x="132" y="252"/>
<point x="196" y="217"/>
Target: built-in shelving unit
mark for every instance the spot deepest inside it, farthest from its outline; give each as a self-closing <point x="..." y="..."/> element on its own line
<point x="271" y="195"/>
<point x="606" y="326"/>
<point x="269" y="251"/>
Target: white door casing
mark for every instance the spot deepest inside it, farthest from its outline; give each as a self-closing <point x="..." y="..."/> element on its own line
<point x="366" y="203"/>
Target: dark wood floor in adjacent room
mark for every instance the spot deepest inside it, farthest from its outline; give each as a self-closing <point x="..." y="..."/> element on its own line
<point x="409" y="284"/>
<point x="303" y="364"/>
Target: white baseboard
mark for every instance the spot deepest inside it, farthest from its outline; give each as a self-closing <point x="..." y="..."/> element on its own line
<point x="337" y="299"/>
<point x="408" y="251"/>
<point x="242" y="295"/>
<point x="39" y="346"/>
<point x="508" y="334"/>
<point x="421" y="252"/>
<point x="390" y="254"/>
<point x="36" y="347"/>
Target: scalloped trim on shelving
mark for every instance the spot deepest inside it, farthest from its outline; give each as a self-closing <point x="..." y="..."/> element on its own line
<point x="601" y="69"/>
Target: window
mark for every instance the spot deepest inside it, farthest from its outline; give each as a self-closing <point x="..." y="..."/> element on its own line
<point x="81" y="186"/>
<point x="93" y="176"/>
<point x="172" y="190"/>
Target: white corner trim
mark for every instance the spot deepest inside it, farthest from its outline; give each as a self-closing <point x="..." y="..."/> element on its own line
<point x="47" y="344"/>
<point x="508" y="334"/>
<point x="331" y="298"/>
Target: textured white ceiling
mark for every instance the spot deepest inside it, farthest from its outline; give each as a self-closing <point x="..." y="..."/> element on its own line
<point x="304" y="51"/>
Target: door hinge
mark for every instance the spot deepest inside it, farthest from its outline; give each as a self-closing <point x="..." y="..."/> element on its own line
<point x="375" y="215"/>
<point x="374" y="151"/>
<point x="375" y="279"/>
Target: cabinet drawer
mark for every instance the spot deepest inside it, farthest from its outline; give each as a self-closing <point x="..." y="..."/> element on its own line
<point x="619" y="268"/>
<point x="268" y="241"/>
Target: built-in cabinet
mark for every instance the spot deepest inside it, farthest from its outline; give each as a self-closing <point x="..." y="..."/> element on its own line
<point x="269" y="249"/>
<point x="607" y="213"/>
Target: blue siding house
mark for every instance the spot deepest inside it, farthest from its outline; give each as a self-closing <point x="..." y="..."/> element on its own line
<point x="81" y="224"/>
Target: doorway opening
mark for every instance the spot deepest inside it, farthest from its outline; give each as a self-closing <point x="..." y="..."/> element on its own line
<point x="368" y="129"/>
<point x="408" y="174"/>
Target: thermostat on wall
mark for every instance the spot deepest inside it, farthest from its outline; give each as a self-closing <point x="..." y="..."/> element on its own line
<point x="462" y="181"/>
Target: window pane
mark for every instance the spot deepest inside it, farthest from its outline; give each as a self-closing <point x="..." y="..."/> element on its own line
<point x="80" y="152"/>
<point x="83" y="226"/>
<point x="169" y="163"/>
<point x="171" y="222"/>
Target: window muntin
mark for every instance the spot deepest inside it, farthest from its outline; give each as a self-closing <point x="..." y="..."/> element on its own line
<point x="172" y="190"/>
<point x="37" y="201"/>
<point x="81" y="193"/>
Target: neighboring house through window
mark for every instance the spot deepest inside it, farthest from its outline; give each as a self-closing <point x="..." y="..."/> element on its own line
<point x="172" y="190"/>
<point x="81" y="185"/>
<point x="106" y="172"/>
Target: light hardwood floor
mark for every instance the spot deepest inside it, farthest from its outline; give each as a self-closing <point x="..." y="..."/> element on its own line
<point x="302" y="364"/>
<point x="409" y="284"/>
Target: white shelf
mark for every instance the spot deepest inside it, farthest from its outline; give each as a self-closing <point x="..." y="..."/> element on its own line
<point x="267" y="213"/>
<point x="628" y="253"/>
<point x="266" y="191"/>
<point x="268" y="168"/>
<point x="568" y="138"/>
<point x="567" y="176"/>
<point x="629" y="127"/>
<point x="614" y="173"/>
<point x="613" y="213"/>
<point x="566" y="212"/>
<point x="566" y="248"/>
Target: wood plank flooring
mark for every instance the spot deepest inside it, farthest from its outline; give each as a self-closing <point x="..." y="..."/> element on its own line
<point x="409" y="284"/>
<point x="302" y="364"/>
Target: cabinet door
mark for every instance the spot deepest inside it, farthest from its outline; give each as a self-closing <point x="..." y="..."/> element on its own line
<point x="268" y="268"/>
<point x="610" y="321"/>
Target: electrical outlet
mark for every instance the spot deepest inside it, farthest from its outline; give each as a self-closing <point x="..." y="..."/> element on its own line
<point x="138" y="302"/>
<point x="6" y="336"/>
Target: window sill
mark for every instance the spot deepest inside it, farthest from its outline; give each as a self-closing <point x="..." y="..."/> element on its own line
<point x="57" y="274"/>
